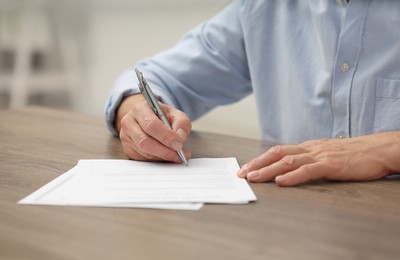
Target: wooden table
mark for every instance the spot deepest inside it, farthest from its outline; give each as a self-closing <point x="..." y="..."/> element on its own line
<point x="326" y="220"/>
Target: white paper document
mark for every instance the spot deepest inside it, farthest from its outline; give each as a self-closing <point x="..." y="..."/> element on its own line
<point x="126" y="183"/>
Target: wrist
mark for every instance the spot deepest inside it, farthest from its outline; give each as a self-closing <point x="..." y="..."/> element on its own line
<point x="388" y="150"/>
<point x="123" y="109"/>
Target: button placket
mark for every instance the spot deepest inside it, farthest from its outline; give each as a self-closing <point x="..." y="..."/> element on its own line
<point x="347" y="56"/>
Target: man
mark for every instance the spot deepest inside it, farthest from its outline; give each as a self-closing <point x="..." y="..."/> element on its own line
<point x="326" y="79"/>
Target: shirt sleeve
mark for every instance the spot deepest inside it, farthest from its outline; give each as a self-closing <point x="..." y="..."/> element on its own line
<point x="205" y="69"/>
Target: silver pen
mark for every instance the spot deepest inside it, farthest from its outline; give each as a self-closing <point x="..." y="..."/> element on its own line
<point x="153" y="103"/>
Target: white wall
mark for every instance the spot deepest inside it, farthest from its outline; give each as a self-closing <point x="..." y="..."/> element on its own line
<point x="113" y="34"/>
<point x="121" y="35"/>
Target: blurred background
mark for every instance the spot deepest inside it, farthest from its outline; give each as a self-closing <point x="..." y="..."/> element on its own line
<point x="66" y="54"/>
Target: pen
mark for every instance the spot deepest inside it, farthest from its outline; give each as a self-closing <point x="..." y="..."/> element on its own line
<point x="153" y="103"/>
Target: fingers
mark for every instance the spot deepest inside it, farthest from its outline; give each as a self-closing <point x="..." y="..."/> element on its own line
<point x="133" y="152"/>
<point x="145" y="137"/>
<point x="152" y="129"/>
<point x="137" y="153"/>
<point x="180" y="122"/>
<point x="273" y="155"/>
<point x="139" y="146"/>
<point x="303" y="174"/>
<point x="287" y="164"/>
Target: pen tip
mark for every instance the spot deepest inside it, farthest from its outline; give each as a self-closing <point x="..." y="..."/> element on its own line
<point x="183" y="158"/>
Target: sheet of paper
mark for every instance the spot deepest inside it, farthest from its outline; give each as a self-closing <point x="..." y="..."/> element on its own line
<point x="58" y="193"/>
<point x="125" y="183"/>
<point x="122" y="181"/>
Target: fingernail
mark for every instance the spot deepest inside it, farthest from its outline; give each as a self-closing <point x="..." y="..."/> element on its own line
<point x="252" y="176"/>
<point x="182" y="134"/>
<point x="280" y="180"/>
<point x="243" y="171"/>
<point x="176" y="146"/>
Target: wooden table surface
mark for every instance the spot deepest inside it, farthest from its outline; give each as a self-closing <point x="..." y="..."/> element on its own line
<point x="325" y="220"/>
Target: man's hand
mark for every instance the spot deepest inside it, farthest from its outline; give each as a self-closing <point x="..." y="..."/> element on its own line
<point x="363" y="158"/>
<point x="145" y="137"/>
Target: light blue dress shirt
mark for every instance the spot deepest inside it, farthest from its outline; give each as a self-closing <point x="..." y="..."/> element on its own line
<point x="317" y="68"/>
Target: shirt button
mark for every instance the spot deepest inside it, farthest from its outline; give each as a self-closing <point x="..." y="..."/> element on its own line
<point x="340" y="136"/>
<point x="344" y="67"/>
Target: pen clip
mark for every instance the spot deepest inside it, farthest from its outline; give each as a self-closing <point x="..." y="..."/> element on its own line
<point x="148" y="94"/>
<point x="144" y="89"/>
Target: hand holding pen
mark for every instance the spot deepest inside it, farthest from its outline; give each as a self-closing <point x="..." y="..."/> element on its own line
<point x="153" y="103"/>
<point x="143" y="134"/>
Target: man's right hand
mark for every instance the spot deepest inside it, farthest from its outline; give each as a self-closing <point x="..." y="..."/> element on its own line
<point x="145" y="137"/>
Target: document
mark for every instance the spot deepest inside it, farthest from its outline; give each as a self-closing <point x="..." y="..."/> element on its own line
<point x="58" y="193"/>
<point x="126" y="183"/>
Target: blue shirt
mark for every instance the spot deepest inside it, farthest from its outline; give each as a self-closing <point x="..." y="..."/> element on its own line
<point x="318" y="69"/>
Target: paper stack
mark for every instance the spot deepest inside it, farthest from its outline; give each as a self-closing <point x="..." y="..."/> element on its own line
<point x="125" y="183"/>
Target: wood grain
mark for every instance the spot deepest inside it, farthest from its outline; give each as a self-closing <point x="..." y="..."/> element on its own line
<point x="325" y="220"/>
